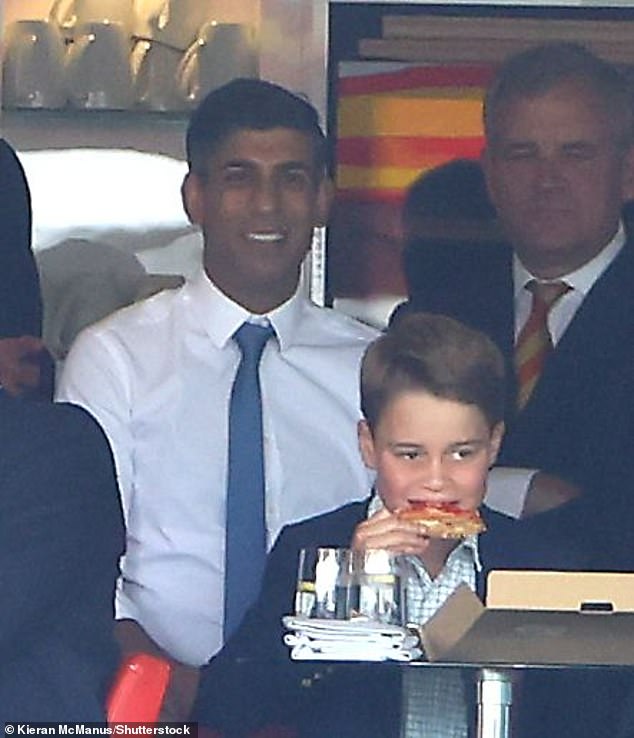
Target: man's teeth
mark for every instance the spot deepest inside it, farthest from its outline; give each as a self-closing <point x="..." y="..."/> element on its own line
<point x="266" y="237"/>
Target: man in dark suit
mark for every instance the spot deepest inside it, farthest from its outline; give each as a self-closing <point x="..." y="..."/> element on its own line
<point x="61" y="535"/>
<point x="26" y="369"/>
<point x="559" y="165"/>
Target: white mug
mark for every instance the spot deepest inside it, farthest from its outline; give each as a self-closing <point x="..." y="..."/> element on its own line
<point x="70" y="15"/>
<point x="98" y="68"/>
<point x="33" y="67"/>
<point x="175" y="22"/>
<point x="222" y="52"/>
<point x="155" y="66"/>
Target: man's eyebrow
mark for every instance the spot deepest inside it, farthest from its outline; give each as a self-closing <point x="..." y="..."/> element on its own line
<point x="249" y="163"/>
<point x="230" y="163"/>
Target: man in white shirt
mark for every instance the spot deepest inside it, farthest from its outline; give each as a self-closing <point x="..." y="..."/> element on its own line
<point x="558" y="164"/>
<point x="158" y="375"/>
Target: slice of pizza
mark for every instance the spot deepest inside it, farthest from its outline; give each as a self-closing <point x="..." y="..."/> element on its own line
<point x="444" y="519"/>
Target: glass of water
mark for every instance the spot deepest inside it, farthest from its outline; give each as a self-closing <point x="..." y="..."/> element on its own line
<point x="377" y="587"/>
<point x="323" y="583"/>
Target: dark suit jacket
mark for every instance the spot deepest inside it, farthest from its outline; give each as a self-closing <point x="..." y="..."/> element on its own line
<point x="20" y="301"/>
<point x="61" y="535"/>
<point x="252" y="681"/>
<point x="579" y="421"/>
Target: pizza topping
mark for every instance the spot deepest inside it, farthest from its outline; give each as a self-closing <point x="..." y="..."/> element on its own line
<point x="444" y="519"/>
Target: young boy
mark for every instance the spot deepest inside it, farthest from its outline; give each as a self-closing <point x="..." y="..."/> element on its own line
<point x="432" y="396"/>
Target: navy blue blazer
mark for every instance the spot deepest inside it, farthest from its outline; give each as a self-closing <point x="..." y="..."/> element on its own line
<point x="20" y="300"/>
<point x="61" y="535"/>
<point x="579" y="421"/>
<point x="253" y="682"/>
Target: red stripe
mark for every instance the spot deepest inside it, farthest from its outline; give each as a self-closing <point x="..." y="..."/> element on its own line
<point x="475" y="75"/>
<point x="394" y="196"/>
<point x="404" y="151"/>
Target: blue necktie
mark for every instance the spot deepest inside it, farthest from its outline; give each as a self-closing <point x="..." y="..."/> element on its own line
<point x="245" y="547"/>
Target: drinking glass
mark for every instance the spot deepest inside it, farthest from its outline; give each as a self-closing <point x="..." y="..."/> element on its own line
<point x="377" y="587"/>
<point x="323" y="583"/>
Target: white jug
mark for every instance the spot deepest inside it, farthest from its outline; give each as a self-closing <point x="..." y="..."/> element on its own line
<point x="33" y="68"/>
<point x="98" y="69"/>
<point x="222" y="52"/>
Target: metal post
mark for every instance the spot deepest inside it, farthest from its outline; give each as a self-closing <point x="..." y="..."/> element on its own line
<point x="495" y="697"/>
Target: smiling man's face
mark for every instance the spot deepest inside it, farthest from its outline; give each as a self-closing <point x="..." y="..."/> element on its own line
<point x="257" y="206"/>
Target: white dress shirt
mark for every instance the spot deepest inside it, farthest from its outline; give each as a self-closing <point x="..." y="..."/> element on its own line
<point x="508" y="487"/>
<point x="158" y="377"/>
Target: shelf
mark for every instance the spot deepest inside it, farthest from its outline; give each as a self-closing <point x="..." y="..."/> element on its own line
<point x="150" y="131"/>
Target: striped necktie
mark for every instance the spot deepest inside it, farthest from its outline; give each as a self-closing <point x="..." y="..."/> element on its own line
<point x="534" y="342"/>
<point x="245" y="546"/>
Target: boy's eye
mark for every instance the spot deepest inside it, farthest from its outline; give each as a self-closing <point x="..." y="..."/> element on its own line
<point x="409" y="453"/>
<point x="462" y="452"/>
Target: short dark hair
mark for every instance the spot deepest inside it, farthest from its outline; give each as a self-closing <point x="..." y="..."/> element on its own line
<point x="539" y="69"/>
<point x="249" y="104"/>
<point x="455" y="189"/>
<point x="435" y="354"/>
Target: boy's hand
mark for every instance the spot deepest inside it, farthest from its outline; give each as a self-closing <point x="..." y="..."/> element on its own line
<point x="385" y="530"/>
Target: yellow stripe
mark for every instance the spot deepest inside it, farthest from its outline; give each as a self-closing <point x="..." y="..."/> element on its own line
<point x="367" y="115"/>
<point x="382" y="177"/>
<point x="530" y="346"/>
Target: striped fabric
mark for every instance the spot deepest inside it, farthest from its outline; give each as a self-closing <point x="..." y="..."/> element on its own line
<point x="534" y="342"/>
<point x="394" y="124"/>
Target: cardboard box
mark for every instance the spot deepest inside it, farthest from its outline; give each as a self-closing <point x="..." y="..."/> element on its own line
<point x="537" y="618"/>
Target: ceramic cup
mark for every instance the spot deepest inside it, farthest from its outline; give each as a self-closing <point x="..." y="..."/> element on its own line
<point x="222" y="52"/>
<point x="155" y="67"/>
<point x="33" y="67"/>
<point x="70" y="15"/>
<point x="173" y="22"/>
<point x="98" y="68"/>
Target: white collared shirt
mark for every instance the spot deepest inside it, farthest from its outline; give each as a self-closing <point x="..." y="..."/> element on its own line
<point x="158" y="377"/>
<point x="580" y="281"/>
<point x="508" y="487"/>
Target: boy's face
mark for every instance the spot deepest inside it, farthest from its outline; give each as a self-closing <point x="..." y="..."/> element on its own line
<point x="429" y="449"/>
<point x="257" y="206"/>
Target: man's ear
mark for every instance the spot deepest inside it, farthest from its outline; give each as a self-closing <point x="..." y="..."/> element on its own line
<point x="325" y="197"/>
<point x="366" y="444"/>
<point x="192" y="197"/>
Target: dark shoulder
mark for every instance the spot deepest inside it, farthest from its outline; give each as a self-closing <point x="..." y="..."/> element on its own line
<point x="333" y="528"/>
<point x="54" y="423"/>
<point x="42" y="441"/>
<point x="526" y="544"/>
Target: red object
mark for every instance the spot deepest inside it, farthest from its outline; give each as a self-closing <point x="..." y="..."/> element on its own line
<point x="137" y="693"/>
